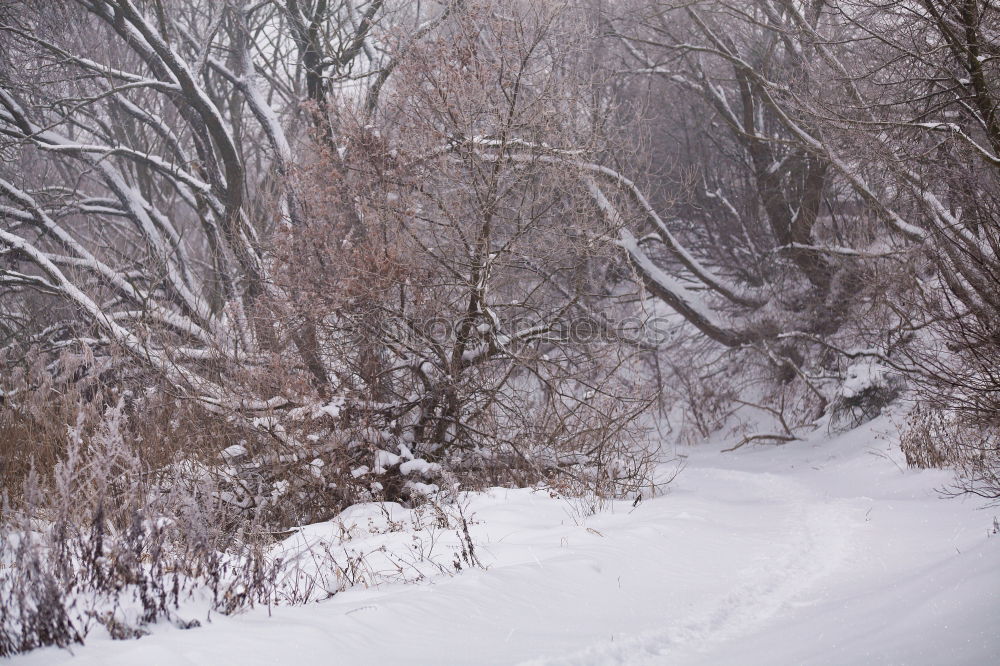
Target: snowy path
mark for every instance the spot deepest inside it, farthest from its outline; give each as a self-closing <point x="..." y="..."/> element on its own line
<point x="822" y="552"/>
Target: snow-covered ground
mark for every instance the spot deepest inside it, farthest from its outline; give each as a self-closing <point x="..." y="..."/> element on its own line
<point x="819" y="552"/>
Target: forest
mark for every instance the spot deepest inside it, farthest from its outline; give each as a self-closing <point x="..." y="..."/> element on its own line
<point x="264" y="263"/>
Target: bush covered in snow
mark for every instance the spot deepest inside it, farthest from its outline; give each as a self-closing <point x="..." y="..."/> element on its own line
<point x="867" y="389"/>
<point x="106" y="543"/>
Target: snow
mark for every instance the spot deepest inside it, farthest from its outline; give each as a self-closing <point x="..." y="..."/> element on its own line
<point x="234" y="453"/>
<point x="333" y="408"/>
<point x="316" y="468"/>
<point x="865" y="376"/>
<point x="941" y="127"/>
<point x="419" y="466"/>
<point x="383" y="460"/>
<point x="825" y="551"/>
<point x="425" y="489"/>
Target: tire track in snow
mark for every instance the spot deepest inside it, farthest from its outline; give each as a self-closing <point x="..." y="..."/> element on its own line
<point x="816" y="539"/>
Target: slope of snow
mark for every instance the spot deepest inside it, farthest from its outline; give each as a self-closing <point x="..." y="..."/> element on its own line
<point x="819" y="552"/>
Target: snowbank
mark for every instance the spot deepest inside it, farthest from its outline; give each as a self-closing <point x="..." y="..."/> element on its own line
<point x="819" y="552"/>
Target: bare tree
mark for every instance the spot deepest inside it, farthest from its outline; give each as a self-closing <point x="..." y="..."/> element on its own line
<point x="203" y="186"/>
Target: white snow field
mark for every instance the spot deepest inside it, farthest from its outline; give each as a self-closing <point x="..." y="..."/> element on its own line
<point x="826" y="551"/>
